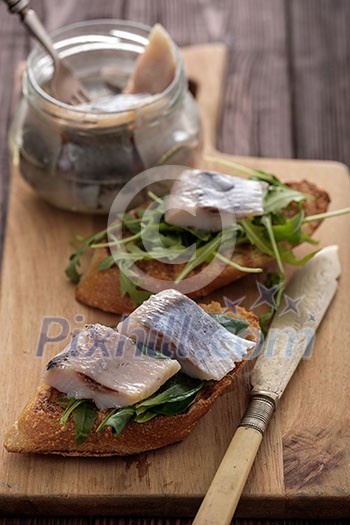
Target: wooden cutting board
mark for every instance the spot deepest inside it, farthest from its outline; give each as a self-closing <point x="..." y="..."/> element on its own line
<point x="303" y="466"/>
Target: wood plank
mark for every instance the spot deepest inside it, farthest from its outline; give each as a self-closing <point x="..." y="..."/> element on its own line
<point x="324" y="129"/>
<point x="14" y="46"/>
<point x="173" y="480"/>
<point x="320" y="71"/>
<point x="257" y="118"/>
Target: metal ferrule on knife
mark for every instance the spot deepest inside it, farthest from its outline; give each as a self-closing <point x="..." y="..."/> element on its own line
<point x="259" y="412"/>
<point x="310" y="292"/>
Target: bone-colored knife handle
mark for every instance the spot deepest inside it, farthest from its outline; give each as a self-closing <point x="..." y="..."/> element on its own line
<point x="227" y="486"/>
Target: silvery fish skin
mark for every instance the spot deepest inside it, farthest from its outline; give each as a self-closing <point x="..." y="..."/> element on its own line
<point x="107" y="367"/>
<point x="210" y="201"/>
<point x="176" y="326"/>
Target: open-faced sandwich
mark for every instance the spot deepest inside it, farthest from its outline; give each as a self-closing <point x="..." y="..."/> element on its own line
<point x="267" y="218"/>
<point x="140" y="386"/>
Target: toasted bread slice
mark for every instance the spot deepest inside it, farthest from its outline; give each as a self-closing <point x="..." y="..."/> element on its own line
<point x="101" y="289"/>
<point x="38" y="429"/>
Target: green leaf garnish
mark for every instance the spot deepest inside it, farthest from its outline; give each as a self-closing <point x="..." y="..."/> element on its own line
<point x="267" y="222"/>
<point x="177" y="388"/>
<point x="233" y="325"/>
<point x="107" y="263"/>
<point x="326" y="215"/>
<point x="129" y="287"/>
<point x="273" y="279"/>
<point x="71" y="406"/>
<point x="203" y="254"/>
<point x="117" y="420"/>
<point x="279" y="197"/>
<point x="174" y="397"/>
<point x="290" y="229"/>
<point x="74" y="259"/>
<point x="133" y="224"/>
<point x="257" y="235"/>
<point x="84" y="417"/>
<point x="84" y="414"/>
<point x="174" y="408"/>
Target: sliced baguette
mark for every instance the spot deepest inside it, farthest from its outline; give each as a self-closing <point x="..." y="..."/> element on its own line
<point x="38" y="429"/>
<point x="101" y="289"/>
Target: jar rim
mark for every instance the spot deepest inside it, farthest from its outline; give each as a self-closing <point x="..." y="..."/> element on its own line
<point x="75" y="110"/>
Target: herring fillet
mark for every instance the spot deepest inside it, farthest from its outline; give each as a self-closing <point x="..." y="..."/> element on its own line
<point x="209" y="200"/>
<point x="155" y="68"/>
<point x="107" y="367"/>
<point x="176" y="326"/>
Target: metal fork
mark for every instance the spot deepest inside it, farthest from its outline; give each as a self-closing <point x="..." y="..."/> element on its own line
<point x="65" y="86"/>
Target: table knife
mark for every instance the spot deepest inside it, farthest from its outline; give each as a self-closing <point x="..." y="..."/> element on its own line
<point x="290" y="335"/>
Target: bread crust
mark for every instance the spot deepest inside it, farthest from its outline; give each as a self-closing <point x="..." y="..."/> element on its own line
<point x="101" y="289"/>
<point x="38" y="429"/>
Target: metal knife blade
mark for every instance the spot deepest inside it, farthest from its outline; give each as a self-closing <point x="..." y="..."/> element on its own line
<point x="307" y="297"/>
<point x="293" y="328"/>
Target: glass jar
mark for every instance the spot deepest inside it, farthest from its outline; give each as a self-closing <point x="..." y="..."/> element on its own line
<point x="78" y="158"/>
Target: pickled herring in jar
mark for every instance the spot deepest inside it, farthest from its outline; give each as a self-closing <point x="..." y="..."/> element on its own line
<point x="141" y="114"/>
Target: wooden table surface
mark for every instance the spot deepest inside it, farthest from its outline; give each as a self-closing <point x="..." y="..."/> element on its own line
<point x="287" y="95"/>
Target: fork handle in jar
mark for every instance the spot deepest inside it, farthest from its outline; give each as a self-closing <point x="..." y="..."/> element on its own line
<point x="30" y="19"/>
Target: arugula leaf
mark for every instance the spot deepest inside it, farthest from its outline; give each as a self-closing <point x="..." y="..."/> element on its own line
<point x="117" y="420"/>
<point x="304" y="237"/>
<point x="177" y="407"/>
<point x="273" y="279"/>
<point x="84" y="417"/>
<point x="327" y="215"/>
<point x="107" y="263"/>
<point x="71" y="269"/>
<point x="177" y="388"/>
<point x="266" y="221"/>
<point x="202" y="255"/>
<point x="202" y="235"/>
<point x="233" y="325"/>
<point x="175" y="397"/>
<point x="133" y="224"/>
<point x="256" y="236"/>
<point x="166" y="409"/>
<point x="129" y="287"/>
<point x="279" y="197"/>
<point x="271" y="179"/>
<point x="143" y="417"/>
<point x="290" y="230"/>
<point x="289" y="257"/>
<point x="71" y="406"/>
<point x="84" y="414"/>
<point x="226" y="240"/>
<point x="238" y="267"/>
